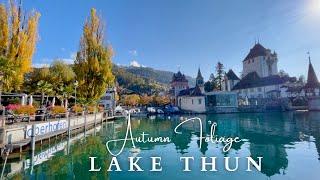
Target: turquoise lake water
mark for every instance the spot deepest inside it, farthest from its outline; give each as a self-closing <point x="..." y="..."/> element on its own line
<point x="288" y="142"/>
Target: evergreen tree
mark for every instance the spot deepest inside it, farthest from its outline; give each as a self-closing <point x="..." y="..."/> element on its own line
<point x="219" y="75"/>
<point x="93" y="62"/>
<point x="210" y="85"/>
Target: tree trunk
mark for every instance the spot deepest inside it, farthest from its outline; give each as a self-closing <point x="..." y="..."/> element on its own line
<point x="66" y="104"/>
<point x="42" y="98"/>
<point x="53" y="101"/>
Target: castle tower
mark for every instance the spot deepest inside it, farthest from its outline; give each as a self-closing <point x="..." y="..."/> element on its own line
<point x="178" y="83"/>
<point x="200" y="81"/>
<point x="260" y="60"/>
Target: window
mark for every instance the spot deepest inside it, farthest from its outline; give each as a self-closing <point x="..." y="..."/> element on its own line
<point x="259" y="89"/>
<point x="252" y="90"/>
<point x="191" y="101"/>
<point x="199" y="100"/>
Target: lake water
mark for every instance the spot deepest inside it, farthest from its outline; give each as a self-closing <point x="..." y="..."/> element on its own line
<point x="288" y="142"/>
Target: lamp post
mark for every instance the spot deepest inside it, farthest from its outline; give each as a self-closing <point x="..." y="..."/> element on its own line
<point x="3" y="110"/>
<point x="1" y="82"/>
<point x="75" y="83"/>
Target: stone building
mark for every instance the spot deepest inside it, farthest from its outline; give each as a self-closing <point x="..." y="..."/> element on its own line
<point x="230" y="80"/>
<point x="260" y="77"/>
<point x="178" y="83"/>
<point x="261" y="61"/>
<point x="312" y="89"/>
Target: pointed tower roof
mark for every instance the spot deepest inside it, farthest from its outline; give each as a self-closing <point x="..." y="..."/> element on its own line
<point x="199" y="79"/>
<point x="232" y="76"/>
<point x="199" y="74"/>
<point x="257" y="50"/>
<point x="312" y="81"/>
<point x="179" y="77"/>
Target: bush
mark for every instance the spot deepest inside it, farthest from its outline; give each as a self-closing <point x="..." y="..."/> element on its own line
<point x="13" y="107"/>
<point x="101" y="109"/>
<point x="58" y="110"/>
<point x="77" y="109"/>
<point x="14" y="101"/>
<point x="26" y="110"/>
<point x="91" y="109"/>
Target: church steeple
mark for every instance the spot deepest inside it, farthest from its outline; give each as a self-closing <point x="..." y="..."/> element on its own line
<point x="199" y="79"/>
<point x="312" y="81"/>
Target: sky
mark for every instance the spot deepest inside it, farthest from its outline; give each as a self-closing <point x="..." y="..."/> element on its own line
<point x="184" y="34"/>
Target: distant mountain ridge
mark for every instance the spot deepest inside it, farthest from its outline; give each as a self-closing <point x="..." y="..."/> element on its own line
<point x="144" y="79"/>
<point x="160" y="76"/>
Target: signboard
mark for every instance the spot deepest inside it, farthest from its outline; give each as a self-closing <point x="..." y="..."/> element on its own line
<point x="47" y="127"/>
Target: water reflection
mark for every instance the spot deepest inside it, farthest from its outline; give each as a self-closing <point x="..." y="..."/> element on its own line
<point x="272" y="136"/>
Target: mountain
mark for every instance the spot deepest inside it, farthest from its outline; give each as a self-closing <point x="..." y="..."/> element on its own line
<point x="144" y="79"/>
<point x="160" y="76"/>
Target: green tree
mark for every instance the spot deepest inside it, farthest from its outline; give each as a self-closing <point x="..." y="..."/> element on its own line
<point x="44" y="88"/>
<point x="18" y="37"/>
<point x="219" y="75"/>
<point x="62" y="77"/>
<point x="65" y="93"/>
<point x="210" y="85"/>
<point x="61" y="72"/>
<point x="93" y="62"/>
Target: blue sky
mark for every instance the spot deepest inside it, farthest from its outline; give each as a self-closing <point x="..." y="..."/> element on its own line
<point x="166" y="34"/>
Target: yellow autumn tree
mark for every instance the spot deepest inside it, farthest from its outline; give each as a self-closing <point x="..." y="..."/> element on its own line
<point x="93" y="62"/>
<point x="18" y="38"/>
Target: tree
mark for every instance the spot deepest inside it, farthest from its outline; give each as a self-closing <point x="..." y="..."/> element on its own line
<point x="61" y="72"/>
<point x="18" y="37"/>
<point x="65" y="93"/>
<point x="282" y="73"/>
<point x="131" y="100"/>
<point x="43" y="87"/>
<point x="219" y="75"/>
<point x="210" y="85"/>
<point x="34" y="77"/>
<point x="161" y="100"/>
<point x="93" y="62"/>
<point x="302" y="79"/>
<point x="145" y="100"/>
<point x="62" y="77"/>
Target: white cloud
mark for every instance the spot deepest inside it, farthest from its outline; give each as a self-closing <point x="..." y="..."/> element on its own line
<point x="135" y="63"/>
<point x="40" y="65"/>
<point x="68" y="60"/>
<point x="45" y="62"/>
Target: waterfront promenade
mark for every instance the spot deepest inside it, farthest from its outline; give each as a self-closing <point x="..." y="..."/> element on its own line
<point x="20" y="134"/>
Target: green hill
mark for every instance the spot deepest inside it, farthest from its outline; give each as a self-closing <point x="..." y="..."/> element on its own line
<point x="144" y="79"/>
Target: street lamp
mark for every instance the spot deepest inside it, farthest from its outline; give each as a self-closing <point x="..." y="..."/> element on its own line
<point x="1" y="82"/>
<point x="75" y="83"/>
<point x="3" y="110"/>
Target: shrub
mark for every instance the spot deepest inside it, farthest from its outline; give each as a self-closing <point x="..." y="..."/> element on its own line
<point x="77" y="109"/>
<point x="101" y="109"/>
<point x="91" y="109"/>
<point x="26" y="110"/>
<point x="14" y="101"/>
<point x="58" y="110"/>
<point x="13" y="107"/>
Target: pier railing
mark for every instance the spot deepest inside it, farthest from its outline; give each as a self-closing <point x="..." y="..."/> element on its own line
<point x="19" y="134"/>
